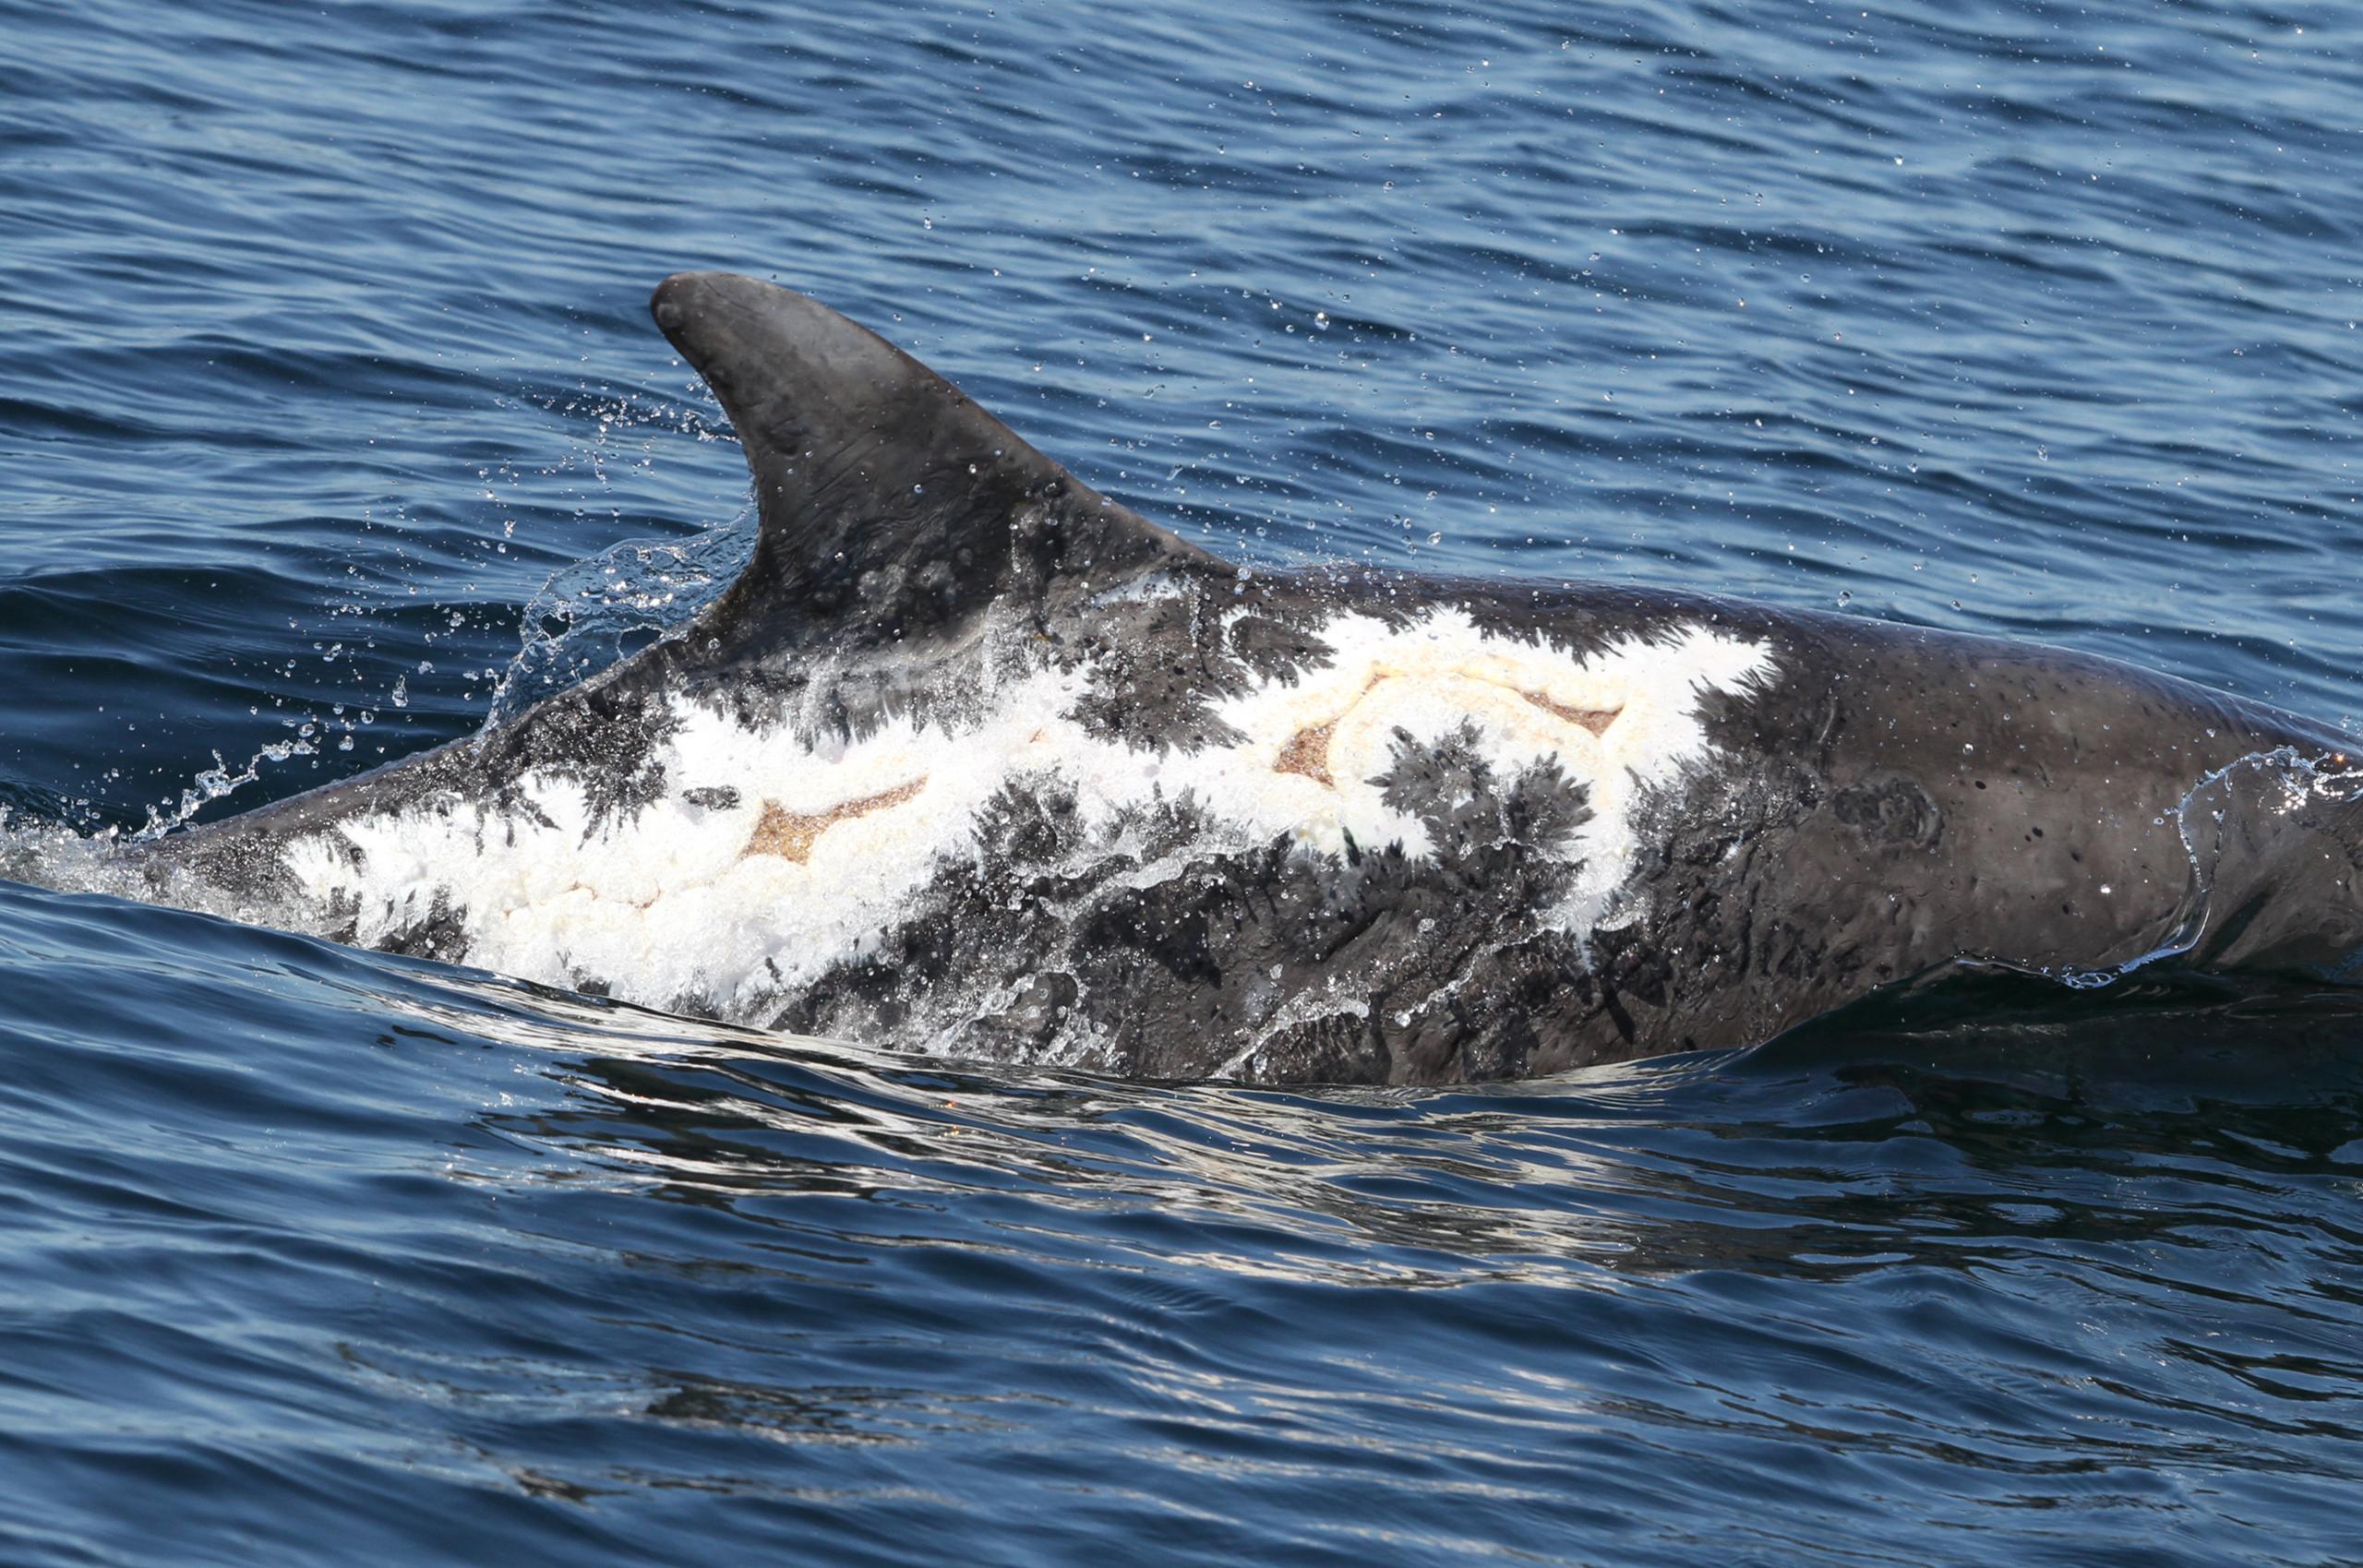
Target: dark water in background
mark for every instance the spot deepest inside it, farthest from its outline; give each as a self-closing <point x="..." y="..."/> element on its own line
<point x="323" y="347"/>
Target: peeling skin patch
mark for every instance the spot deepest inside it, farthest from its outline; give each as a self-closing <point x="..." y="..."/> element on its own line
<point x="1307" y="753"/>
<point x="791" y="834"/>
<point x="1596" y="720"/>
<point x="797" y="847"/>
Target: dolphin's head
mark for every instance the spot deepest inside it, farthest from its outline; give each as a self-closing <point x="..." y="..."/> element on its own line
<point x="2277" y="843"/>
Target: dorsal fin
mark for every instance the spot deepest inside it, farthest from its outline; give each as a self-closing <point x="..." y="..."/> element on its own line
<point x="892" y="506"/>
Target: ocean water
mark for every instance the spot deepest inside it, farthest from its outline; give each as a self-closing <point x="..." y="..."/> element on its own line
<point x="331" y="417"/>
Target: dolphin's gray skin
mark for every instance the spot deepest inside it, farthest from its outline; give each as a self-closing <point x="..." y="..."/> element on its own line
<point x="973" y="759"/>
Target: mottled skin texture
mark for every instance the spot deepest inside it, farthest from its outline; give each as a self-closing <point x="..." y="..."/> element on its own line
<point x="1889" y="800"/>
<point x="1849" y="838"/>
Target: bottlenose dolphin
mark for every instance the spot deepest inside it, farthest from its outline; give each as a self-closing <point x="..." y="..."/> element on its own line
<point x="974" y="760"/>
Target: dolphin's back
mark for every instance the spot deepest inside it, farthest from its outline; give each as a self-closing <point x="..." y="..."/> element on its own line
<point x="974" y="759"/>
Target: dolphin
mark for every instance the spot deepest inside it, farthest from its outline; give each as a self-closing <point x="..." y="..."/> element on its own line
<point x="973" y="759"/>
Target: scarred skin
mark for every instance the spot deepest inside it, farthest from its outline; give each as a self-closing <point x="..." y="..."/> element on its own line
<point x="1883" y="801"/>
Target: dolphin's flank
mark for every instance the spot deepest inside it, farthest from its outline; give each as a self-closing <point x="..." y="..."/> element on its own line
<point x="974" y="760"/>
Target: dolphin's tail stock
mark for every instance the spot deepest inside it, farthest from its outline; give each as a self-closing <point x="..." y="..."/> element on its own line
<point x="893" y="508"/>
<point x="2276" y="842"/>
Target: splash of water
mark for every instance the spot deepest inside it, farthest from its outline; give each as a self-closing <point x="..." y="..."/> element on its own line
<point x="596" y="611"/>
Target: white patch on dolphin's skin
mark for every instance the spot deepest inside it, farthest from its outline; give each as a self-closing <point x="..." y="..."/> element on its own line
<point x="778" y="855"/>
<point x="1621" y="721"/>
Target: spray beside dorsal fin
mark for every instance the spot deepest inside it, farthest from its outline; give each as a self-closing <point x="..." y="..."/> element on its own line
<point x="893" y="508"/>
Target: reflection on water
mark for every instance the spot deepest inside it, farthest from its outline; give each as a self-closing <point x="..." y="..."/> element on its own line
<point x="1954" y="1249"/>
<point x="1979" y="1254"/>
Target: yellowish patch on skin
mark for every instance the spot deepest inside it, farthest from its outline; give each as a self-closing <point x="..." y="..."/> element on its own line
<point x="1307" y="753"/>
<point x="791" y="834"/>
<point x="1596" y="720"/>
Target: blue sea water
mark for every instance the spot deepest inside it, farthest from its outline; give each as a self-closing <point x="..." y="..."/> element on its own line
<point x="331" y="416"/>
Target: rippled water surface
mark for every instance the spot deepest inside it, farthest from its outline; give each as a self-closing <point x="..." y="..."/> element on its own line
<point x="331" y="415"/>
